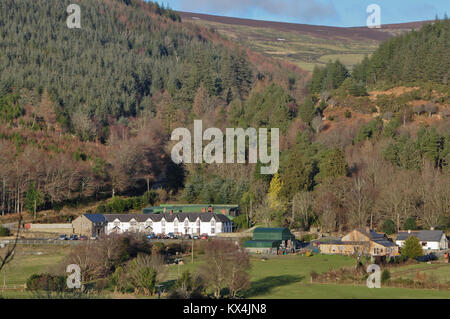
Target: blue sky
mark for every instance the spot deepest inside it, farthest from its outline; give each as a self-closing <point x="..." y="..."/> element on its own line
<point x="344" y="13"/>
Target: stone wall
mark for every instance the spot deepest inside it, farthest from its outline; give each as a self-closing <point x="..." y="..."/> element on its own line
<point x="52" y="228"/>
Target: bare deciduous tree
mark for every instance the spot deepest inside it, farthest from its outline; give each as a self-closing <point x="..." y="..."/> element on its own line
<point x="264" y="213"/>
<point x="302" y="204"/>
<point x="397" y="197"/>
<point x="226" y="266"/>
<point x="359" y="202"/>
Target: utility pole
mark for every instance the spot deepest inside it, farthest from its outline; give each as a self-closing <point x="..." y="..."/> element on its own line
<point x="192" y="250"/>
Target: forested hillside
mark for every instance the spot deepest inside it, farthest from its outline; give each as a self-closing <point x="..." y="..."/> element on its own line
<point x="99" y="103"/>
<point x="86" y="114"/>
<point x="111" y="67"/>
<point x="422" y="55"/>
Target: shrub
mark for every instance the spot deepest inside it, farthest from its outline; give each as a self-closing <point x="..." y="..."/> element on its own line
<point x="347" y="114"/>
<point x="144" y="279"/>
<point x="410" y="224"/>
<point x="119" y="281"/>
<point x="241" y="221"/>
<point x="388" y="227"/>
<point x="385" y="275"/>
<point x="158" y="248"/>
<point x="4" y="231"/>
<point x="150" y="197"/>
<point x="308" y="237"/>
<point x="101" y="209"/>
<point x="412" y="248"/>
<point x="46" y="282"/>
<point x="121" y="205"/>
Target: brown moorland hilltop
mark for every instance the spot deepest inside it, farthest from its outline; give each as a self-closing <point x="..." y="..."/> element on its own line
<point x="300" y="44"/>
<point x="355" y="33"/>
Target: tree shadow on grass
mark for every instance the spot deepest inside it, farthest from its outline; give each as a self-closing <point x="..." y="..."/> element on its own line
<point x="265" y="285"/>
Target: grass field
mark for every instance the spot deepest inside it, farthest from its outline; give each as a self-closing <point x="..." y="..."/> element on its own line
<point x="440" y="272"/>
<point x="30" y="260"/>
<point x="280" y="277"/>
<point x="287" y="277"/>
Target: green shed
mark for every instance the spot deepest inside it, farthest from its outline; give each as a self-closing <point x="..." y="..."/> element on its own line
<point x="272" y="234"/>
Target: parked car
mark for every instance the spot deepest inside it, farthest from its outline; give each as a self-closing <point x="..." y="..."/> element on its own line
<point x="73" y="237"/>
<point x="82" y="237"/>
<point x="151" y="236"/>
<point x="187" y="236"/>
<point x="196" y="237"/>
<point x="204" y="236"/>
<point x="93" y="238"/>
<point x="171" y="235"/>
<point x="63" y="237"/>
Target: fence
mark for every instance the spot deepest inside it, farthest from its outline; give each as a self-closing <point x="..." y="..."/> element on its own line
<point x="42" y="242"/>
<point x="20" y="287"/>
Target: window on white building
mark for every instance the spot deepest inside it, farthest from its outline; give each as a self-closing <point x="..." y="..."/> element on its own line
<point x="197" y="224"/>
<point x="163" y="226"/>
<point x="133" y="225"/>
<point x="186" y="226"/>
<point x="213" y="226"/>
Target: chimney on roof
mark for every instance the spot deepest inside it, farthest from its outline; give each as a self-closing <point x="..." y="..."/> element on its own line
<point x="224" y="211"/>
<point x="203" y="210"/>
<point x="164" y="210"/>
<point x="171" y="211"/>
<point x="210" y="209"/>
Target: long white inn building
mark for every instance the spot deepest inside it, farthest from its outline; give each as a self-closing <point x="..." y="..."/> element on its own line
<point x="164" y="223"/>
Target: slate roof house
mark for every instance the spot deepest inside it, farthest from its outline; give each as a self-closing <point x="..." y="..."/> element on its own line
<point x="430" y="239"/>
<point x="89" y="225"/>
<point x="365" y="241"/>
